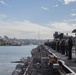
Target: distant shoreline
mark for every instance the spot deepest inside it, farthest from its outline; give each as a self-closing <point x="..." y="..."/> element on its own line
<point x="18" y="45"/>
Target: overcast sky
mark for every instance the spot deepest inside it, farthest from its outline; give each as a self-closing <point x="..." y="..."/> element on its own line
<point x="35" y="19"/>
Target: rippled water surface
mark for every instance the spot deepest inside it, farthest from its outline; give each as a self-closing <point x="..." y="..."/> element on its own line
<point x="12" y="53"/>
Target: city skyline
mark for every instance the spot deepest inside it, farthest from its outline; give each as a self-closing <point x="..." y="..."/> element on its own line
<point x="35" y="19"/>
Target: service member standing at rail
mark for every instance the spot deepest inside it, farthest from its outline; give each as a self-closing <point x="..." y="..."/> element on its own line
<point x="66" y="47"/>
<point x="63" y="47"/>
<point x="70" y="45"/>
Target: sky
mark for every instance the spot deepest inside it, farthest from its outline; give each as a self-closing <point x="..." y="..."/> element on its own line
<point x="37" y="19"/>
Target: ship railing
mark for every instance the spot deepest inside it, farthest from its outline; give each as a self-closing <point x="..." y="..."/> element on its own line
<point x="28" y="69"/>
<point x="50" y="52"/>
<point x="65" y="68"/>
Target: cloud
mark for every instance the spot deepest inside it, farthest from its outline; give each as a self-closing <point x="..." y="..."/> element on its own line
<point x="73" y="14"/>
<point x="69" y="1"/>
<point x="73" y="9"/>
<point x="64" y="27"/>
<point x="29" y="30"/>
<point x="23" y="29"/>
<point x="71" y="20"/>
<point x="3" y="2"/>
<point x="61" y="26"/>
<point x="56" y="5"/>
<point x="60" y="0"/>
<point x="45" y="8"/>
<point x="3" y="16"/>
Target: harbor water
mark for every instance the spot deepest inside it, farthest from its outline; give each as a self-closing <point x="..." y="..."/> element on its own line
<point x="12" y="53"/>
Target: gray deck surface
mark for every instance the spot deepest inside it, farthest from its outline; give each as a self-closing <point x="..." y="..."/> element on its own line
<point x="70" y="63"/>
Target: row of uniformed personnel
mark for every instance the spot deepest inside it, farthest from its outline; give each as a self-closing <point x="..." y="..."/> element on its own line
<point x="63" y="46"/>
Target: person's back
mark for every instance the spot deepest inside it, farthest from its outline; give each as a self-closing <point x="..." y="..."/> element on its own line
<point x="66" y="47"/>
<point x="63" y="47"/>
<point x="70" y="44"/>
